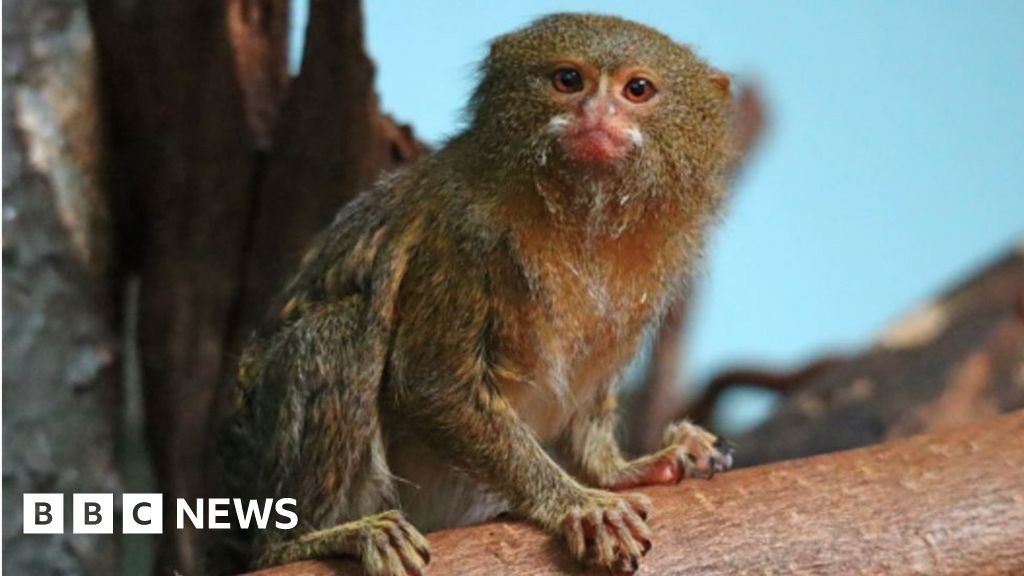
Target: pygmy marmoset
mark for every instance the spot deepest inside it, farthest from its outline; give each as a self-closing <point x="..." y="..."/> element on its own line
<point x="451" y="346"/>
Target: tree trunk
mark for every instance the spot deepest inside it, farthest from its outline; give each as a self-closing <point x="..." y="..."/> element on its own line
<point x="224" y="172"/>
<point x="60" y="400"/>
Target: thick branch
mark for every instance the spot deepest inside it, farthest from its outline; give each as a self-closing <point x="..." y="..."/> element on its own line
<point x="947" y="503"/>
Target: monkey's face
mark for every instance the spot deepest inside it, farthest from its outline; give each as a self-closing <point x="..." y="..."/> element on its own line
<point x="598" y="112"/>
<point x="598" y="97"/>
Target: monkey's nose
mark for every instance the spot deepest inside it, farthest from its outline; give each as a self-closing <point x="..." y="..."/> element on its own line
<point x="598" y="107"/>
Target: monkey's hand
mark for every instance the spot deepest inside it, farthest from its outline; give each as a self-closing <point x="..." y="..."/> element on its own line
<point x="385" y="543"/>
<point x="608" y="530"/>
<point x="688" y="451"/>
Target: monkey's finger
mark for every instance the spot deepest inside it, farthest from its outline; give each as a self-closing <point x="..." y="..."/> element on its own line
<point x="629" y="549"/>
<point x="410" y="556"/>
<point x="604" y="543"/>
<point x="393" y="565"/>
<point x="417" y="540"/>
<point x="638" y="527"/>
<point x="572" y="528"/>
<point x="640" y="503"/>
<point x="373" y="563"/>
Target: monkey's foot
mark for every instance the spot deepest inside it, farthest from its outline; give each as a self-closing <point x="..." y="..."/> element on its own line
<point x="386" y="544"/>
<point x="697" y="452"/>
<point x="609" y="530"/>
<point x="688" y="451"/>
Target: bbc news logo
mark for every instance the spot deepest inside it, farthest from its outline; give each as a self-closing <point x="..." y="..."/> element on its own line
<point x="143" y="513"/>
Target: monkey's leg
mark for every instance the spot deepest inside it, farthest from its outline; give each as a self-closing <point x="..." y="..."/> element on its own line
<point x="321" y="385"/>
<point x="688" y="451"/>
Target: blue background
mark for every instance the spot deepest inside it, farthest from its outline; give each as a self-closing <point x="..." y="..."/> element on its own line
<point x="892" y="164"/>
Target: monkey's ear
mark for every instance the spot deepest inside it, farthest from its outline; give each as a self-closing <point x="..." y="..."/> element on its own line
<point x="721" y="81"/>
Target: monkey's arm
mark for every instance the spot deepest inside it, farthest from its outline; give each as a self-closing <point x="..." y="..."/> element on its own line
<point x="467" y="421"/>
<point x="687" y="450"/>
<point x="443" y="367"/>
<point x="447" y="394"/>
<point x="590" y="441"/>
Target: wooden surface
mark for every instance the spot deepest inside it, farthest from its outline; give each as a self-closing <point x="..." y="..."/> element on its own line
<point x="946" y="503"/>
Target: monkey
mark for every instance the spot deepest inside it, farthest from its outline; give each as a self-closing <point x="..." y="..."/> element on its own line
<point x="452" y="345"/>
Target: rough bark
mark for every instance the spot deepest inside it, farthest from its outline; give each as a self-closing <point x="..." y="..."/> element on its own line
<point x="947" y="503"/>
<point x="223" y="172"/>
<point x="954" y="360"/>
<point x="60" y="402"/>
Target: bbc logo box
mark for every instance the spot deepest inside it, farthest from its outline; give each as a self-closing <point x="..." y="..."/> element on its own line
<point x="142" y="513"/>
<point x="92" y="513"/>
<point x="43" y="514"/>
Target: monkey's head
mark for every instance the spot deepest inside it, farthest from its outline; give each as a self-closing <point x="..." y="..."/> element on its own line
<point x="586" y="97"/>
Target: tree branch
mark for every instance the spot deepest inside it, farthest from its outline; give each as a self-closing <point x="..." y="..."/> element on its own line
<point x="947" y="503"/>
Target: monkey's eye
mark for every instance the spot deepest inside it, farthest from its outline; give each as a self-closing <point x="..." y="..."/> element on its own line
<point x="639" y="90"/>
<point x="567" y="80"/>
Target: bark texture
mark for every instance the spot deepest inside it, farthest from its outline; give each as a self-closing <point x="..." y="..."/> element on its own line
<point x="60" y="403"/>
<point x="950" y="503"/>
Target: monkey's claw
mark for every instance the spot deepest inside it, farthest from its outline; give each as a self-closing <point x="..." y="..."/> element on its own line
<point x="698" y="453"/>
<point x="609" y="530"/>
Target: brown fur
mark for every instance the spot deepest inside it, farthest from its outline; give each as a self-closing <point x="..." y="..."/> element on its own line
<point x="472" y="314"/>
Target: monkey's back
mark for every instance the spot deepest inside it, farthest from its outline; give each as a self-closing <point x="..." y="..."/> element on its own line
<point x="322" y="347"/>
